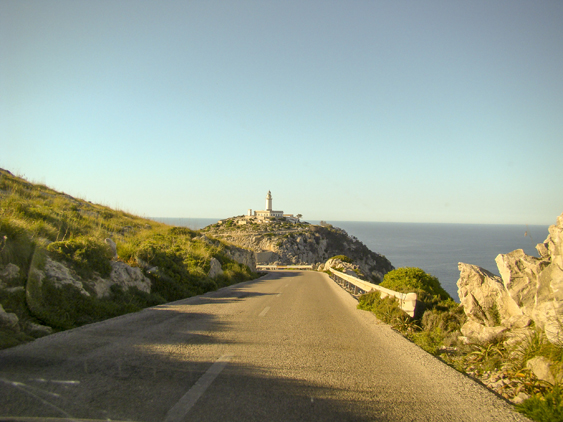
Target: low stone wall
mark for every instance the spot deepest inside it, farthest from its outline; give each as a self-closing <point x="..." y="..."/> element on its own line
<point x="407" y="301"/>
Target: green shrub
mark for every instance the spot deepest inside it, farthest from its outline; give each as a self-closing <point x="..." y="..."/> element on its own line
<point x="85" y="255"/>
<point x="66" y="307"/>
<point x="386" y="309"/>
<point x="546" y="408"/>
<point x="448" y="317"/>
<point x="16" y="246"/>
<point x="169" y="288"/>
<point x="410" y="279"/>
<point x="182" y="231"/>
<point x="429" y="340"/>
<point x="33" y="215"/>
<point x="343" y="258"/>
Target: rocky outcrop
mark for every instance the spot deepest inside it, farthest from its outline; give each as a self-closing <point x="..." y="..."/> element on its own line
<point x="60" y="275"/>
<point x="281" y="243"/>
<point x="121" y="274"/>
<point x="124" y="276"/>
<point x="215" y="268"/>
<point x="242" y="256"/>
<point x="339" y="265"/>
<point x="528" y="289"/>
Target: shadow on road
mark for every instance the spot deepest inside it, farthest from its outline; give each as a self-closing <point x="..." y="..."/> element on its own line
<point x="137" y="367"/>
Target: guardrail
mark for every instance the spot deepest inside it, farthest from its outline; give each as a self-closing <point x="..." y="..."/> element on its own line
<point x="284" y="267"/>
<point x="407" y="301"/>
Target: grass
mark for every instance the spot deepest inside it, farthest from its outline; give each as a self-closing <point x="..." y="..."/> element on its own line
<point x="342" y="258"/>
<point x="437" y="330"/>
<point x="37" y="222"/>
<point x="544" y="408"/>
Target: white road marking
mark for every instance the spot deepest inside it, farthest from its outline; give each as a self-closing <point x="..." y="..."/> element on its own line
<point x="181" y="409"/>
<point x="265" y="311"/>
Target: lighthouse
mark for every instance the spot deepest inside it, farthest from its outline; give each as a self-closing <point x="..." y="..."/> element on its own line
<point x="269" y="201"/>
<point x="269" y="212"/>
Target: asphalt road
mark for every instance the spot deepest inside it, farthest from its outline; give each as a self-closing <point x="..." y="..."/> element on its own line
<point x="290" y="346"/>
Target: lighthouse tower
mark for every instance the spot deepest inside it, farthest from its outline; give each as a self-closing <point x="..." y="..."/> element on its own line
<point x="269" y="213"/>
<point x="269" y="201"/>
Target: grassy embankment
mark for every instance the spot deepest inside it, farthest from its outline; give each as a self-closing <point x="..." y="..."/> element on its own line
<point x="501" y="365"/>
<point x="37" y="222"/>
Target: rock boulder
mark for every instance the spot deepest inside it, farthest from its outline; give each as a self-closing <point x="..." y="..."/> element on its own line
<point x="528" y="289"/>
<point x="215" y="269"/>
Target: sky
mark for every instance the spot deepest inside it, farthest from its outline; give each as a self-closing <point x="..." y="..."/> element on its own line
<point x="400" y="111"/>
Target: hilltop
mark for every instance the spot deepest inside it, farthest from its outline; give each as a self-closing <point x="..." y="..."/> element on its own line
<point x="65" y="262"/>
<point x="286" y="241"/>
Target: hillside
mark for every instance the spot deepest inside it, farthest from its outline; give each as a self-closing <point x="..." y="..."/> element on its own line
<point x="65" y="262"/>
<point x="280" y="241"/>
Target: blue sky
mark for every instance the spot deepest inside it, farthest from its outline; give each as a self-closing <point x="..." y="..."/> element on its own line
<point x="406" y="111"/>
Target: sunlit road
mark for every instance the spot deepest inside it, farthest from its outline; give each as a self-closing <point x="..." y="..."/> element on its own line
<point x="288" y="347"/>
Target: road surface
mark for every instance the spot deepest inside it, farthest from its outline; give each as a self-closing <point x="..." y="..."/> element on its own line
<point x="290" y="346"/>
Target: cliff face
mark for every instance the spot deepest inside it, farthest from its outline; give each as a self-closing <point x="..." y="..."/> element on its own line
<point x="529" y="289"/>
<point x="283" y="243"/>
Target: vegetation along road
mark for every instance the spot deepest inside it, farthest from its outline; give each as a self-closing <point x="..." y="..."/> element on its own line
<point x="290" y="346"/>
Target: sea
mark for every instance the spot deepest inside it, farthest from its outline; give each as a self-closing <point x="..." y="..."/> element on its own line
<point x="434" y="247"/>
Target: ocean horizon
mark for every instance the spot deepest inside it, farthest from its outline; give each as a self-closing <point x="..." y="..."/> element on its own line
<point x="437" y="248"/>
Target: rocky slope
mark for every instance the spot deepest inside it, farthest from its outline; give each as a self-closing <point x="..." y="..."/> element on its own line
<point x="284" y="243"/>
<point x="529" y="290"/>
<point x="66" y="262"/>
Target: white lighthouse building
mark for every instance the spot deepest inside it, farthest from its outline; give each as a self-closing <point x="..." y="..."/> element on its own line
<point x="269" y="201"/>
<point x="268" y="212"/>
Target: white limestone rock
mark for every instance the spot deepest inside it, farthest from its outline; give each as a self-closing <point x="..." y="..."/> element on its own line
<point x="215" y="269"/>
<point x="123" y="275"/>
<point x="350" y="269"/>
<point x="480" y="333"/>
<point x="242" y="256"/>
<point x="528" y="289"/>
<point x="541" y="367"/>
<point x="61" y="275"/>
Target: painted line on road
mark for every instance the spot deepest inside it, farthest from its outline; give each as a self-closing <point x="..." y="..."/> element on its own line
<point x="181" y="409"/>
<point x="265" y="311"/>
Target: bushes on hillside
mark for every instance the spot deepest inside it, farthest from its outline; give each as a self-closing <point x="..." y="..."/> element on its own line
<point x="342" y="258"/>
<point x="410" y="279"/>
<point x="438" y="318"/>
<point x="386" y="309"/>
<point x="68" y="308"/>
<point x="85" y="255"/>
<point x="36" y="222"/>
<point x="16" y="246"/>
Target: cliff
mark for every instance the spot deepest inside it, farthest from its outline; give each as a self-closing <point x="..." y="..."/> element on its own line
<point x="286" y="243"/>
<point x="528" y="290"/>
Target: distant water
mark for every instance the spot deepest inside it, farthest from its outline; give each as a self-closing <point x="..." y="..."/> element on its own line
<point x="436" y="248"/>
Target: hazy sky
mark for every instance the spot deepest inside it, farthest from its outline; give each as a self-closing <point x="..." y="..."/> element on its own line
<point x="407" y="111"/>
